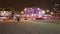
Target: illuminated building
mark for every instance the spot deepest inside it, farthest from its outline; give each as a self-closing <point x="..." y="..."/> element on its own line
<point x="5" y="13"/>
<point x="34" y="12"/>
<point x="30" y="11"/>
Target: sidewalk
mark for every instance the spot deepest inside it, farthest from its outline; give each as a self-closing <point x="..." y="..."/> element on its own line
<point x="12" y="20"/>
<point x="8" y="20"/>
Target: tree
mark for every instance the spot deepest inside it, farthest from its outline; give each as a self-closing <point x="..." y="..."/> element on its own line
<point x="55" y="8"/>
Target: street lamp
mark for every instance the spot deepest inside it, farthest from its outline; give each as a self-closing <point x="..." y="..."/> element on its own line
<point x="51" y="13"/>
<point x="22" y="12"/>
<point x="47" y="10"/>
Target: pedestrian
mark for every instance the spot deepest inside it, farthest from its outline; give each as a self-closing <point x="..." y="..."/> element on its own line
<point x="17" y="18"/>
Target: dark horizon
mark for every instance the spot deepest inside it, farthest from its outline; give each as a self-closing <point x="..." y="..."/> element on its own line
<point x="20" y="4"/>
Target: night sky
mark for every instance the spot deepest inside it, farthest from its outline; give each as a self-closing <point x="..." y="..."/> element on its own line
<point x="20" y="4"/>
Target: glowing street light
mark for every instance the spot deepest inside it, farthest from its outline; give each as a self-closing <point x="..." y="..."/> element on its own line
<point x="47" y="10"/>
<point x="22" y="12"/>
<point x="27" y="15"/>
<point x="43" y="12"/>
<point x="38" y="8"/>
<point x="52" y="13"/>
<point x="32" y="14"/>
<point x="39" y="12"/>
<point x="30" y="8"/>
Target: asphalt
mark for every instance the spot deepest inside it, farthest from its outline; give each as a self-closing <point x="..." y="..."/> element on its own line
<point x="29" y="27"/>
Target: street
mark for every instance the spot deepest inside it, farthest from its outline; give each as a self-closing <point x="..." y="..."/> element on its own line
<point x="30" y="27"/>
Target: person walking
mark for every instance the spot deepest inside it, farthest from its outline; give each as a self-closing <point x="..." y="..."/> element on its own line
<point x="17" y="17"/>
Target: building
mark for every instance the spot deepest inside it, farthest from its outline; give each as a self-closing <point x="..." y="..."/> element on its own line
<point x="34" y="13"/>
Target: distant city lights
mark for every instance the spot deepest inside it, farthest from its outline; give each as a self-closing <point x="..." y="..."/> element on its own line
<point x="27" y="15"/>
<point x="47" y="10"/>
<point x="43" y="12"/>
<point x="31" y="8"/>
<point x="31" y="12"/>
<point x="22" y="12"/>
<point x="38" y="8"/>
<point x="52" y="13"/>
